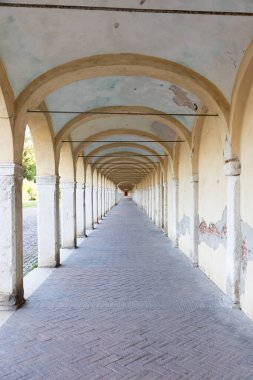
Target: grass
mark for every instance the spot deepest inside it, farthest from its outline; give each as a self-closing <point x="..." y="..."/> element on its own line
<point x="30" y="204"/>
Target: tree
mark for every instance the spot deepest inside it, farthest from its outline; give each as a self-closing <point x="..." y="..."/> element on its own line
<point x="28" y="159"/>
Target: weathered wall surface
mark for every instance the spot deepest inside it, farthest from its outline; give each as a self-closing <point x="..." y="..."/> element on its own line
<point x="246" y="283"/>
<point x="212" y="204"/>
<point x="184" y="173"/>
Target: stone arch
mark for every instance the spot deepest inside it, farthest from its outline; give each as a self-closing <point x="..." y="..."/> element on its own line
<point x="66" y="164"/>
<point x="195" y="144"/>
<point x="111" y="65"/>
<point x="80" y="171"/>
<point x="117" y="145"/>
<point x="81" y="119"/>
<point x="6" y="118"/>
<point x="88" y="174"/>
<point x="240" y="98"/>
<point x="42" y="136"/>
<point x="123" y="132"/>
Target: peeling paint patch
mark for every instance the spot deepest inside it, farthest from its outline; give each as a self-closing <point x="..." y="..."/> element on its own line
<point x="247" y="251"/>
<point x="247" y="241"/>
<point x="181" y="99"/>
<point x="184" y="225"/>
<point x="214" y="234"/>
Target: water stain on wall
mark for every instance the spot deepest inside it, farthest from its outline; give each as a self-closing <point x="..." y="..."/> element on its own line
<point x="181" y="98"/>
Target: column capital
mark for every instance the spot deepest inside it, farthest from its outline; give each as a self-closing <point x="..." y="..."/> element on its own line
<point x="80" y="185"/>
<point x="47" y="180"/>
<point x="194" y="178"/>
<point x="175" y="181"/>
<point x="11" y="169"/>
<point x="68" y="185"/>
<point x="232" y="167"/>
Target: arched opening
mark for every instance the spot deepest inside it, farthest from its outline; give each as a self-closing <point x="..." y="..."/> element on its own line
<point x="29" y="198"/>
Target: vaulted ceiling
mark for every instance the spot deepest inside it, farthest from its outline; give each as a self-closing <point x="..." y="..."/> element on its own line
<point x="33" y="41"/>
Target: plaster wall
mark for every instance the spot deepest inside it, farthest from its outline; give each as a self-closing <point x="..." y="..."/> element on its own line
<point x="212" y="204"/>
<point x="184" y="172"/>
<point x="246" y="204"/>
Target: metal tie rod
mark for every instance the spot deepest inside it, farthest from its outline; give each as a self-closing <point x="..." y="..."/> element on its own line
<point x="125" y="10"/>
<point x="121" y="141"/>
<point x="135" y="155"/>
<point x="124" y="113"/>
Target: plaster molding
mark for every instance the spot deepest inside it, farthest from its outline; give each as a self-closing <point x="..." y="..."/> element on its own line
<point x="50" y="180"/>
<point x="10" y="169"/>
<point x="232" y="167"/>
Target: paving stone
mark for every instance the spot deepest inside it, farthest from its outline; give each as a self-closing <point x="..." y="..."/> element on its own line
<point x="30" y="239"/>
<point x="126" y="305"/>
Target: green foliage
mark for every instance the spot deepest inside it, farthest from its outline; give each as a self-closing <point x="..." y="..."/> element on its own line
<point x="29" y="190"/>
<point x="28" y="160"/>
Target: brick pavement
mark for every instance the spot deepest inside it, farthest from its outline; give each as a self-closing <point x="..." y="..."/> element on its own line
<point x="126" y="305"/>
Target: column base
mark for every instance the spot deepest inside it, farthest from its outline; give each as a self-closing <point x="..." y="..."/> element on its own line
<point x="56" y="265"/>
<point x="236" y="305"/>
<point x="12" y="303"/>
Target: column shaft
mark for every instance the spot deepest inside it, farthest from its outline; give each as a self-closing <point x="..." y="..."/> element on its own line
<point x="48" y="221"/>
<point x="68" y="215"/>
<point x="194" y="219"/>
<point x="11" y="237"/>
<point x="232" y="170"/>
<point x="80" y="209"/>
<point x="175" y="211"/>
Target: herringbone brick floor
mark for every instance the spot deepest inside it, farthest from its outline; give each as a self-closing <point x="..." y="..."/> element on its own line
<point x="124" y="306"/>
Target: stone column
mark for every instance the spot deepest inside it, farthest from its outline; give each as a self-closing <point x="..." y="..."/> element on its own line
<point x="232" y="170"/>
<point x="88" y="206"/>
<point x="68" y="214"/>
<point x="94" y="205"/>
<point x="103" y="202"/>
<point x="99" y="200"/>
<point x="153" y="203"/>
<point x="175" y="211"/>
<point x="157" y="205"/>
<point x="165" y="207"/>
<point x="194" y="219"/>
<point x="48" y="221"/>
<point x="11" y="237"/>
<point x="161" y="208"/>
<point x="80" y="209"/>
<point x="106" y="201"/>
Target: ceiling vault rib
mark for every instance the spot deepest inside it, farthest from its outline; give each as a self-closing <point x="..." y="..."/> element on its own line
<point x="125" y="113"/>
<point x="120" y="141"/>
<point x="135" y="155"/>
<point x="126" y="10"/>
<point x="126" y="163"/>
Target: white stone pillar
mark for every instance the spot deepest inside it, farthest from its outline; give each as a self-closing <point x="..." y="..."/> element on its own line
<point x="175" y="211"/>
<point x="153" y="203"/>
<point x="88" y="206"/>
<point x="115" y="196"/>
<point x="99" y="200"/>
<point x="95" y="204"/>
<point x="103" y="202"/>
<point x="165" y="208"/>
<point x="80" y="211"/>
<point x="48" y="221"/>
<point x="68" y="214"/>
<point x="161" y="208"/>
<point x="157" y="205"/>
<point x="11" y="237"/>
<point x="194" y="219"/>
<point x="232" y="170"/>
